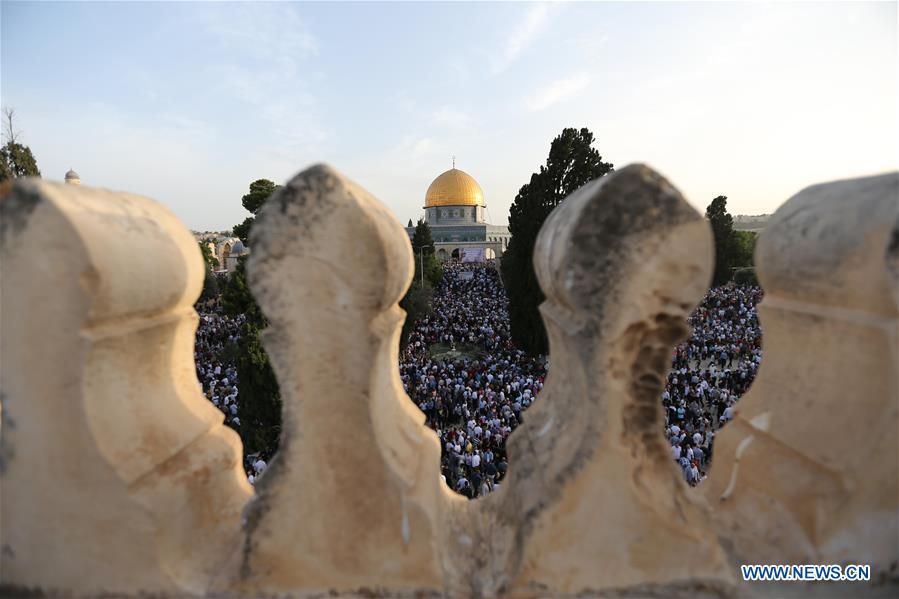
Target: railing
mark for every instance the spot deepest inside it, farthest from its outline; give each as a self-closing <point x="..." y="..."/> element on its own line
<point x="118" y="476"/>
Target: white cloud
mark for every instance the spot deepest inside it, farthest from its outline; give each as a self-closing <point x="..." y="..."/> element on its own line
<point x="422" y="146"/>
<point x="524" y="34"/>
<point x="558" y="91"/>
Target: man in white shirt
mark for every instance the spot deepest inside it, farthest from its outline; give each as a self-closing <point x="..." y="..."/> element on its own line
<point x="475" y="460"/>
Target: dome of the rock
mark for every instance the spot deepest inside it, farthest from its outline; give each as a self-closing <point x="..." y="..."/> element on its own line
<point x="454" y="188"/>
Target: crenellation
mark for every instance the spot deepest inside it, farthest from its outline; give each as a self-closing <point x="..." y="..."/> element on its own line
<point x="119" y="477"/>
<point x="90" y="504"/>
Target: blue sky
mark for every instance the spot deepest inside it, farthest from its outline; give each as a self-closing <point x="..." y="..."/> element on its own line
<point x="188" y="102"/>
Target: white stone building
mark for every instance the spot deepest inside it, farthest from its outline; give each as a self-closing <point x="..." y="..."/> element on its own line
<point x="455" y="211"/>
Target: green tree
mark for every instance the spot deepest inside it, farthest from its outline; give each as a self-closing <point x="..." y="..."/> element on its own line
<point x="417" y="301"/>
<point x="726" y="243"/>
<point x="572" y="162"/>
<point x="745" y="248"/>
<point x="211" y="286"/>
<point x="242" y="231"/>
<point x="210" y="281"/>
<point x="260" y="190"/>
<point x="16" y="160"/>
<point x="236" y="296"/>
<point x="259" y="405"/>
<point x="423" y="247"/>
<point x="417" y="304"/>
<point x="208" y="256"/>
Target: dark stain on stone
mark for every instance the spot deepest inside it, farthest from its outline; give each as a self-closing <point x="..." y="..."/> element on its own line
<point x="892" y="253"/>
<point x="7" y="424"/>
<point x="632" y="203"/>
<point x="13" y="590"/>
<point x="253" y="514"/>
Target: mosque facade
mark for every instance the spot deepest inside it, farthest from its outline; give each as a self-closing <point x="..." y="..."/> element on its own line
<point x="455" y="210"/>
<point x="73" y="178"/>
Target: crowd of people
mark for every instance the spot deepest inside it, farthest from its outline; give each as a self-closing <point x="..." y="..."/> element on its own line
<point x="217" y="375"/>
<point x="474" y="398"/>
<point x="474" y="391"/>
<point x="462" y="369"/>
<point x="709" y="373"/>
<point x="214" y="351"/>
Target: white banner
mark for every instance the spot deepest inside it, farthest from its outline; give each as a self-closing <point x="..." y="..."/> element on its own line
<point x="472" y="254"/>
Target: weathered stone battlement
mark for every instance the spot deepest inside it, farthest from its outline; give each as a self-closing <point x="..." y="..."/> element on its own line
<point x="118" y="477"/>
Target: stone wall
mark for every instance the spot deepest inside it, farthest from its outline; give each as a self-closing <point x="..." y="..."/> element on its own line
<point x="119" y="478"/>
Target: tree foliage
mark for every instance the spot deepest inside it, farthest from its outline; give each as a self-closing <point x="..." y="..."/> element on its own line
<point x="417" y="301"/>
<point x="211" y="288"/>
<point x="210" y="280"/>
<point x="242" y="231"/>
<point x="723" y="231"/>
<point x="16" y="160"/>
<point x="208" y="256"/>
<point x="422" y="238"/>
<point x="745" y="276"/>
<point x="417" y="304"/>
<point x="423" y="248"/>
<point x="733" y="249"/>
<point x="745" y="248"/>
<point x="260" y="190"/>
<point x="259" y="408"/>
<point x="236" y="296"/>
<point x="572" y="162"/>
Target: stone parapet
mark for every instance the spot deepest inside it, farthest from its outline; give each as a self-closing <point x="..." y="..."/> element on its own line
<point x="118" y="477"/>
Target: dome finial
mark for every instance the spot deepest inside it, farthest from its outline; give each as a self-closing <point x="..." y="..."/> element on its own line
<point x="454" y="161"/>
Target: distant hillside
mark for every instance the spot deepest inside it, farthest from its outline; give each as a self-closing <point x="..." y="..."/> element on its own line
<point x="755" y="222"/>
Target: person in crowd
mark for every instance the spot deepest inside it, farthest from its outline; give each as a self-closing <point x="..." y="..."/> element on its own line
<point x="710" y="371"/>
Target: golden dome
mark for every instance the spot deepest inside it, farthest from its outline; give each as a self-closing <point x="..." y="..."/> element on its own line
<point x="454" y="188"/>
